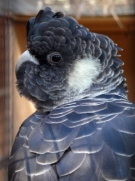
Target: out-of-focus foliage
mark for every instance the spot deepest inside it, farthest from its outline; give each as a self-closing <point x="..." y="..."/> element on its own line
<point x="72" y="7"/>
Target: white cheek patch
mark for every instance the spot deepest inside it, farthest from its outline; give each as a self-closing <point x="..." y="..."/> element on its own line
<point x="83" y="74"/>
<point x="26" y="56"/>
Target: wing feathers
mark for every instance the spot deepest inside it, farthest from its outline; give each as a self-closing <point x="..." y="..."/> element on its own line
<point x="97" y="144"/>
<point x="69" y="163"/>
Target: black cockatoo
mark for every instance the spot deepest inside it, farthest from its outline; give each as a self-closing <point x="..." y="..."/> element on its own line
<point x="84" y="126"/>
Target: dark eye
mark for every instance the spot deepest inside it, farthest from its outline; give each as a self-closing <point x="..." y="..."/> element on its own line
<point x="54" y="57"/>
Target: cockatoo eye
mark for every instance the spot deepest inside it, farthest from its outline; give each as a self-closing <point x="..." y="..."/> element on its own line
<point x="54" y="58"/>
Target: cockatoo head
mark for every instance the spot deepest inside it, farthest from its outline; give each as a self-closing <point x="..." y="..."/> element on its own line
<point x="65" y="61"/>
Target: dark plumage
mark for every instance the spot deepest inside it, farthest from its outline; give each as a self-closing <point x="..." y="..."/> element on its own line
<point x="84" y="126"/>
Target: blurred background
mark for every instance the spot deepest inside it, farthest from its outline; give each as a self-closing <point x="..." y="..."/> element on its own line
<point x="114" y="18"/>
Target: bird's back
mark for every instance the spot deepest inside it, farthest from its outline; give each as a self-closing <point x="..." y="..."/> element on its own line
<point x="84" y="140"/>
